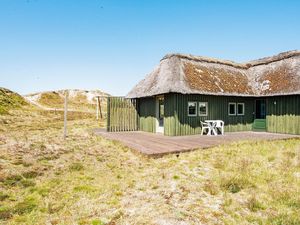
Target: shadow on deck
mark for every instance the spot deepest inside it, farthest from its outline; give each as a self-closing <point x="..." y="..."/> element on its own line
<point x="157" y="144"/>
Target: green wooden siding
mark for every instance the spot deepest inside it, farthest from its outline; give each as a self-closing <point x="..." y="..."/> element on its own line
<point x="282" y="117"/>
<point x="177" y="122"/>
<point x="147" y="114"/>
<point x="283" y="114"/>
<point x="121" y="114"/>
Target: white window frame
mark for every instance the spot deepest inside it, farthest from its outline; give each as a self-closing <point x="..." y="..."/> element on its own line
<point x="188" y="111"/>
<point x="237" y="109"/>
<point x="231" y="103"/>
<point x="206" y="105"/>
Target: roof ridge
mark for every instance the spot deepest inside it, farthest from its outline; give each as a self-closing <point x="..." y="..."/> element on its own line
<point x="205" y="59"/>
<point x="245" y="65"/>
<point x="274" y="58"/>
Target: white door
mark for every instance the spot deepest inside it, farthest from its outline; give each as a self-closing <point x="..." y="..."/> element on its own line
<point x="160" y="111"/>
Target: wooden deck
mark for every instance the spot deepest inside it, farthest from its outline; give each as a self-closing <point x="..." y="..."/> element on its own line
<point x="158" y="144"/>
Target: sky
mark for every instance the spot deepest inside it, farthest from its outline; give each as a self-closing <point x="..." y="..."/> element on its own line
<point x="111" y="45"/>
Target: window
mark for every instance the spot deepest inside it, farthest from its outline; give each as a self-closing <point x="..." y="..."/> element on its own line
<point x="232" y="109"/>
<point x="192" y="108"/>
<point x="203" y="108"/>
<point x="241" y="109"/>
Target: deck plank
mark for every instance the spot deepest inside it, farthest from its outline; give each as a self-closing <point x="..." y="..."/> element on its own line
<point x="158" y="144"/>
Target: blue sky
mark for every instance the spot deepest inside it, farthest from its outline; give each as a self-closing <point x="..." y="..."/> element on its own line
<point x="111" y="45"/>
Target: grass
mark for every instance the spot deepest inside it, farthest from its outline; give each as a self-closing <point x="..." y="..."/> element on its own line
<point x="52" y="99"/>
<point x="78" y="102"/>
<point x="25" y="206"/>
<point x="3" y="196"/>
<point x="76" y="166"/>
<point x="10" y="100"/>
<point x="90" y="180"/>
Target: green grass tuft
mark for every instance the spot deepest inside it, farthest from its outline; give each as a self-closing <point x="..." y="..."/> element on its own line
<point x="3" y="196"/>
<point x="27" y="183"/>
<point x="255" y="205"/>
<point x="85" y="189"/>
<point x="176" y="177"/>
<point x="5" y="213"/>
<point x="31" y="174"/>
<point x="76" y="166"/>
<point x="13" y="180"/>
<point x="26" y="206"/>
<point x="97" y="222"/>
<point x="284" y="219"/>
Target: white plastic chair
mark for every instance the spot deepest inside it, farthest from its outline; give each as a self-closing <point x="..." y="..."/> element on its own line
<point x="205" y="126"/>
<point x="220" y="124"/>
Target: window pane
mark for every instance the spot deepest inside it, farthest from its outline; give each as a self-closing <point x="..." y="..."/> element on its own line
<point x="202" y="108"/>
<point x="240" y="109"/>
<point x="232" y="109"/>
<point x="192" y="108"/>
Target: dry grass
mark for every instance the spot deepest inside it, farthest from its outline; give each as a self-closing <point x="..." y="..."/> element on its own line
<point x="90" y="180"/>
<point x="79" y="102"/>
<point x="10" y="100"/>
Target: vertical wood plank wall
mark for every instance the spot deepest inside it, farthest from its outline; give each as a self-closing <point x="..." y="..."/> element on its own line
<point x="282" y="117"/>
<point x="122" y="114"/>
<point x="147" y="114"/>
<point x="283" y="114"/>
<point x="177" y="122"/>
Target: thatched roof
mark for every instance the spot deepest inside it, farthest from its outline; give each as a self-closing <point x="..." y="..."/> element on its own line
<point x="187" y="74"/>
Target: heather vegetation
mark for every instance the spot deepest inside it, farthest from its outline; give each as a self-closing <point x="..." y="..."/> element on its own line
<point x="10" y="100"/>
<point x="87" y="179"/>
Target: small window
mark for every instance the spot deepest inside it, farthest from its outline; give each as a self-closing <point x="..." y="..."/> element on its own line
<point x="241" y="109"/>
<point x="232" y="109"/>
<point x="192" y="108"/>
<point x="203" y="108"/>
